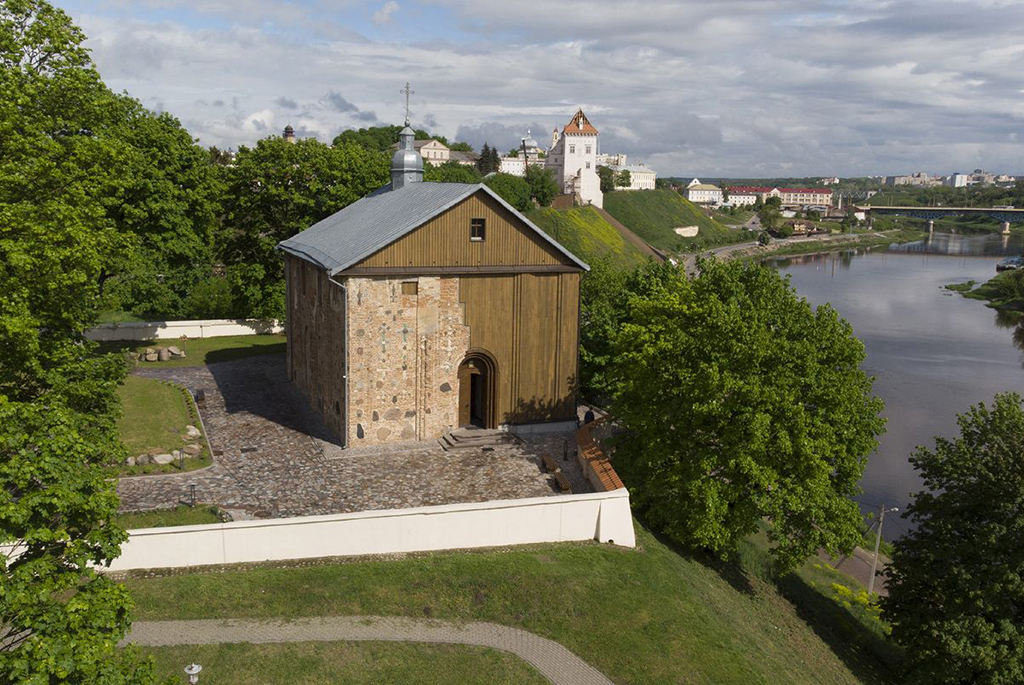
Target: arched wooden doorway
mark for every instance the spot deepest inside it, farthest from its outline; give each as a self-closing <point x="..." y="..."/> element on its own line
<point x="477" y="383"/>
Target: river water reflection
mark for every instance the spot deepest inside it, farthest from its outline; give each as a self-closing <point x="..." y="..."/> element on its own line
<point x="933" y="353"/>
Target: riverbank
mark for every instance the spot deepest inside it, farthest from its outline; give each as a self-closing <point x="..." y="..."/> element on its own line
<point x="1004" y="292"/>
<point x="816" y="244"/>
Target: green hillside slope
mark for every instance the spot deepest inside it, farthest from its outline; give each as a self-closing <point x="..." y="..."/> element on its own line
<point x="653" y="214"/>
<point x="587" y="235"/>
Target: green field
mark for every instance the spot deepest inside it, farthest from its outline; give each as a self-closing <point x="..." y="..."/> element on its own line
<point x="587" y="235"/>
<point x="644" y="615"/>
<point x="181" y="515"/>
<point x="653" y="214"/>
<point x="356" y="663"/>
<point x="202" y="350"/>
<point x="153" y="418"/>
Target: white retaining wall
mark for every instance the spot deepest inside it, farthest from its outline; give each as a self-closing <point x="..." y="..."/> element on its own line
<point x="603" y="516"/>
<point x="205" y="328"/>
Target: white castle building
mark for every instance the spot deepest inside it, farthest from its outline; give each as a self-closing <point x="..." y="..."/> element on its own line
<point x="573" y="158"/>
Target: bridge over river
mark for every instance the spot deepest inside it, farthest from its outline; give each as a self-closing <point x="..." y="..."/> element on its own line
<point x="1004" y="214"/>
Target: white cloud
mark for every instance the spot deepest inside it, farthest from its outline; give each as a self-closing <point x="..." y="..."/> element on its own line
<point x="386" y="14"/>
<point x="736" y="87"/>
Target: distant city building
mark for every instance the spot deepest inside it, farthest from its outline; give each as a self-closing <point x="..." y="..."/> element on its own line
<point x="829" y="181"/>
<point x="573" y="158"/>
<point x="956" y="180"/>
<point x="790" y="197"/>
<point x="609" y="159"/>
<point x="918" y="179"/>
<point x="641" y="177"/>
<point x="529" y="153"/>
<point x="432" y="151"/>
<point x="703" y="193"/>
<point x="980" y="176"/>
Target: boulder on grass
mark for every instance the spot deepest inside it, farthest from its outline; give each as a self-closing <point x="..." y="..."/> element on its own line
<point x="163" y="458"/>
<point x="143" y="459"/>
<point x="151" y="355"/>
<point x="192" y="432"/>
<point x="192" y="449"/>
<point x="175" y="351"/>
<point x="162" y="354"/>
<point x="130" y="461"/>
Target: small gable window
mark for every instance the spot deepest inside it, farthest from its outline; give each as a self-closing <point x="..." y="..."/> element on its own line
<point x="477" y="229"/>
<point x="572" y="149"/>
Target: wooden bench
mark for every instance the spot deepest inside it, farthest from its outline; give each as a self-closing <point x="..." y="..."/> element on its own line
<point x="563" y="482"/>
<point x="550" y="465"/>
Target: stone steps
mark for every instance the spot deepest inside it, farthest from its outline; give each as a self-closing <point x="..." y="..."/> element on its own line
<point x="466" y="438"/>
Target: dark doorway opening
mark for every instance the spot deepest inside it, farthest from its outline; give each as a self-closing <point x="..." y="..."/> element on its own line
<point x="476" y="395"/>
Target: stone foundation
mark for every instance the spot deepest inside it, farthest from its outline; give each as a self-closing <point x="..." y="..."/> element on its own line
<point x="405" y="348"/>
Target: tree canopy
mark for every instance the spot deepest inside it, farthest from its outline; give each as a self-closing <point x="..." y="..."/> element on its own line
<point x="956" y="582"/>
<point x="68" y="194"/>
<point x="512" y="189"/>
<point x="741" y="402"/>
<point x="606" y="176"/>
<point x="543" y="186"/>
<point x="277" y="189"/>
<point x="451" y="172"/>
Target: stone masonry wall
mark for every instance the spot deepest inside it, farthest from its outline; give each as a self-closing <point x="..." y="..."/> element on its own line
<point x="404" y="355"/>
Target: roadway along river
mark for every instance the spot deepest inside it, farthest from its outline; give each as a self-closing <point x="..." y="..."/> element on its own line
<point x="933" y="353"/>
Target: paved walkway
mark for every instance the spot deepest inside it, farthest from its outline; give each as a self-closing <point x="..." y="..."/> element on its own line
<point x="273" y="457"/>
<point x="555" y="662"/>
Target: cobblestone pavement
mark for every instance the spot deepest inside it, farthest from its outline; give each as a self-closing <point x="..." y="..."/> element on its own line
<point x="273" y="457"/>
<point x="555" y="662"/>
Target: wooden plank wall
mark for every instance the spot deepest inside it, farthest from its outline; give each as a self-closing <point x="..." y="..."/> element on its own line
<point x="444" y="241"/>
<point x="530" y="325"/>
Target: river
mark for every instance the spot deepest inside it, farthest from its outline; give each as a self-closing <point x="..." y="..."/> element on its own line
<point x="933" y="353"/>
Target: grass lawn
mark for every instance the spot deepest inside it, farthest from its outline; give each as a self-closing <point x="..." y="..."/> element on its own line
<point x="646" y="615"/>
<point x="181" y="515"/>
<point x="315" y="663"/>
<point x="203" y="350"/>
<point x="153" y="418"/>
<point x="654" y="214"/>
<point x="588" y="235"/>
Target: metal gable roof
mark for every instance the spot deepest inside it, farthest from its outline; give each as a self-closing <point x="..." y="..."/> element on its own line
<point x="379" y="219"/>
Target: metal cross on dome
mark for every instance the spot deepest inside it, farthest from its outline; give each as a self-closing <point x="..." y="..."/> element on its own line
<point x="407" y="92"/>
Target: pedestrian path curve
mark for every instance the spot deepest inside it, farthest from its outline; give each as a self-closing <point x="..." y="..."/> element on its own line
<point x="552" y="660"/>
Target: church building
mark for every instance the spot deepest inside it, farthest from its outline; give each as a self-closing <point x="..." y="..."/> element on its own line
<point x="425" y="307"/>
<point x="573" y="157"/>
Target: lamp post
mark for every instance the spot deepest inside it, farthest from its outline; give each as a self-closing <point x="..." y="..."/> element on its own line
<point x="192" y="671"/>
<point x="878" y="541"/>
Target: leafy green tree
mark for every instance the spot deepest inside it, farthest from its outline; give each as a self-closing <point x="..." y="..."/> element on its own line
<point x="741" y="402"/>
<point x="458" y="146"/>
<point x="61" y="170"/>
<point x="623" y="179"/>
<point x="606" y="176"/>
<point x="483" y="164"/>
<point x="512" y="189"/>
<point x="278" y="189"/>
<point x="956" y="595"/>
<point x="451" y="172"/>
<point x="169" y="209"/>
<point x="379" y="138"/>
<point x="543" y="186"/>
<point x="770" y="216"/>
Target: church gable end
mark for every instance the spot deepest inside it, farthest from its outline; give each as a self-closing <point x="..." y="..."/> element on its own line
<point x="476" y="232"/>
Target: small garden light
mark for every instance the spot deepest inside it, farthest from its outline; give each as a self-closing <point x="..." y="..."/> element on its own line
<point x="192" y="671"/>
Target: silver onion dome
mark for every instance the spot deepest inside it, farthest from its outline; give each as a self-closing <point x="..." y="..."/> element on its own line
<point x="406" y="163"/>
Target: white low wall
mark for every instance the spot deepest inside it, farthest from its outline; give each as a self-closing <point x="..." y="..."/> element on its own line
<point x="603" y="516"/>
<point x="205" y="328"/>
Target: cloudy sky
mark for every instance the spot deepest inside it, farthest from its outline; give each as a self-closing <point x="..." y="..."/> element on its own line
<point x="713" y="88"/>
